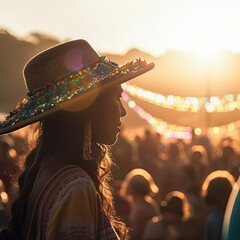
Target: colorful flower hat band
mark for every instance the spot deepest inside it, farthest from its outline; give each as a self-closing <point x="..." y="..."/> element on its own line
<point x="71" y="85"/>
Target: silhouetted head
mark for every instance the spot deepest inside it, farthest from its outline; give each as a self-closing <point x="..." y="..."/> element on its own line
<point x="217" y="187"/>
<point x="139" y="182"/>
<point x="175" y="206"/>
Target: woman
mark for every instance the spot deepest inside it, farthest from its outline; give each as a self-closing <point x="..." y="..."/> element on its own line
<point x="74" y="95"/>
<point x="139" y="188"/>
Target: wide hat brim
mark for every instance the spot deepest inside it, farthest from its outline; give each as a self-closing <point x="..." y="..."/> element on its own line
<point x="25" y="116"/>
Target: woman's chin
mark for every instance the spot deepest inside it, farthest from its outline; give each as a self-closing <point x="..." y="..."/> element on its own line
<point x="108" y="139"/>
<point x="111" y="140"/>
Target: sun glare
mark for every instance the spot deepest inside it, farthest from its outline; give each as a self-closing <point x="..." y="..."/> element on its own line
<point x="206" y="55"/>
<point x="206" y="30"/>
<point x="202" y="27"/>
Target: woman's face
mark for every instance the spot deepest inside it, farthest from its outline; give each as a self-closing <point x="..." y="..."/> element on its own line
<point x="107" y="112"/>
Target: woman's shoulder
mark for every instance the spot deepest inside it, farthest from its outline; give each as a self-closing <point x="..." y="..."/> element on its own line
<point x="59" y="182"/>
<point x="70" y="181"/>
<point x="67" y="194"/>
<point x="71" y="177"/>
<point x="72" y="170"/>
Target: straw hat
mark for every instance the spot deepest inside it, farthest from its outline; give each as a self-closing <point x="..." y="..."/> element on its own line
<point x="65" y="75"/>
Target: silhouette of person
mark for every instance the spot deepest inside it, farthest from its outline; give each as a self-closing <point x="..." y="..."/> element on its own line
<point x="74" y="97"/>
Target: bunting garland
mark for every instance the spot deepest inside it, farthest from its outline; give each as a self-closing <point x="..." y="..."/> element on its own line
<point x="176" y="131"/>
<point x="226" y="103"/>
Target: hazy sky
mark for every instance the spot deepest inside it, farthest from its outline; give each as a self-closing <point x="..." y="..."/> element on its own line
<point x="115" y="26"/>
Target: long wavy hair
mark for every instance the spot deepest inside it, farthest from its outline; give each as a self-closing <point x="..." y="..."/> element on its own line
<point x="61" y="137"/>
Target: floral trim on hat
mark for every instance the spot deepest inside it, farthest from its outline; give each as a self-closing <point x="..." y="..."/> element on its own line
<point x="51" y="95"/>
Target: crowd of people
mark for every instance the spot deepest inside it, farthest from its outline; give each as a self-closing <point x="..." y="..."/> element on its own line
<point x="193" y="181"/>
<point x="162" y="190"/>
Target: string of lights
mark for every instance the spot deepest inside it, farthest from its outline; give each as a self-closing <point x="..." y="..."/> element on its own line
<point x="169" y="130"/>
<point x="226" y="103"/>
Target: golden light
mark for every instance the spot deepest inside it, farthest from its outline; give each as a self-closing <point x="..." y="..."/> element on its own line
<point x="204" y="54"/>
<point x="215" y="130"/>
<point x="210" y="107"/>
<point x="197" y="131"/>
<point x="4" y="197"/>
<point x="131" y="104"/>
<point x="231" y="127"/>
<point x="216" y="174"/>
<point x="12" y="153"/>
<point x="1" y="184"/>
